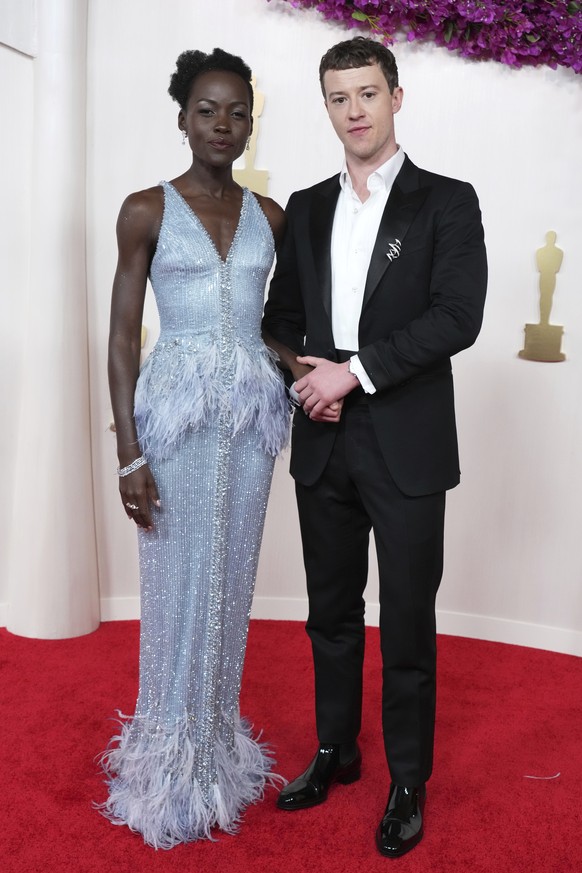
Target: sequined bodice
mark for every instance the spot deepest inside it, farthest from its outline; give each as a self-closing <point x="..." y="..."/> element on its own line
<point x="210" y="361"/>
<point x="187" y="271"/>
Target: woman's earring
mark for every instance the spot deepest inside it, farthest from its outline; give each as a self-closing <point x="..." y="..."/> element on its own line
<point x="248" y="146"/>
<point x="183" y="137"/>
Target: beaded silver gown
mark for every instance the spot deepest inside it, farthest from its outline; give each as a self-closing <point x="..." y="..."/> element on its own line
<point x="211" y="415"/>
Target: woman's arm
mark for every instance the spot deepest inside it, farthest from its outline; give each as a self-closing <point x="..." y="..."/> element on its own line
<point x="276" y="217"/>
<point x="285" y="307"/>
<point x="137" y="230"/>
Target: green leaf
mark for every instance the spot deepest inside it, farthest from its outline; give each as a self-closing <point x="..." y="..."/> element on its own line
<point x="449" y="28"/>
<point x="360" y="16"/>
<point x="573" y="7"/>
<point x="532" y="37"/>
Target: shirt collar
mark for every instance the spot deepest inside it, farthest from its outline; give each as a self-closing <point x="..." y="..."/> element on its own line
<point x="382" y="178"/>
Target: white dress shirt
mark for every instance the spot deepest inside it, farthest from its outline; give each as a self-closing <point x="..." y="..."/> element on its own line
<point x="355" y="228"/>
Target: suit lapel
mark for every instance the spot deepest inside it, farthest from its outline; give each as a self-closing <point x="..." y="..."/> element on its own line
<point x="397" y="217"/>
<point x="321" y="226"/>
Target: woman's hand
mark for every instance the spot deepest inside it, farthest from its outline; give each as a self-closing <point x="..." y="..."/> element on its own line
<point x="324" y="386"/>
<point x="138" y="491"/>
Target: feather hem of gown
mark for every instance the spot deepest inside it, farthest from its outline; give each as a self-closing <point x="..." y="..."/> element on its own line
<point x="186" y="383"/>
<point x="154" y="789"/>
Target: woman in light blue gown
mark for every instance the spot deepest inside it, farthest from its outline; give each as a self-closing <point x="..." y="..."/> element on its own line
<point x="197" y="432"/>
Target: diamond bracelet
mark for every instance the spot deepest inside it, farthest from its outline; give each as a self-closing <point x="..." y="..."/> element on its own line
<point x="131" y="468"/>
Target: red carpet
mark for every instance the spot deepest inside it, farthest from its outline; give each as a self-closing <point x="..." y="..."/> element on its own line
<point x="504" y="713"/>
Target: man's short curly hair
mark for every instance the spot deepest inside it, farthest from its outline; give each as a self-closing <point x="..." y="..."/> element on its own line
<point x="193" y="62"/>
<point x="360" y="52"/>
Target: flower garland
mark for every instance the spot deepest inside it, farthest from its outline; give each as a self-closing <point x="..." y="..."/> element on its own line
<point x="514" y="32"/>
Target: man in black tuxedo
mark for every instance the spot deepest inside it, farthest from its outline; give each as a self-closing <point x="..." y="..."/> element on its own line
<point x="381" y="278"/>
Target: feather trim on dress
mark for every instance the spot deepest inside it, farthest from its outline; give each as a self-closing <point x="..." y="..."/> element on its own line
<point x="182" y="385"/>
<point x="155" y="780"/>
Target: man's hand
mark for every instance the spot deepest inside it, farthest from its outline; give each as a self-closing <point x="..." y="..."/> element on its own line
<point x="322" y="390"/>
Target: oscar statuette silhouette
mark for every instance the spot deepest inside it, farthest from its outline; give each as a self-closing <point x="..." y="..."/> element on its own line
<point x="543" y="340"/>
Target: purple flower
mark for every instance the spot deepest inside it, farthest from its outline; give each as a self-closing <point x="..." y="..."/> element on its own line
<point x="514" y="32"/>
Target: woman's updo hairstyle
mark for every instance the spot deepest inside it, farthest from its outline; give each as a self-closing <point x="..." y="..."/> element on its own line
<point x="192" y="63"/>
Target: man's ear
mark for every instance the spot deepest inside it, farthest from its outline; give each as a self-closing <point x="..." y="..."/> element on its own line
<point x="397" y="97"/>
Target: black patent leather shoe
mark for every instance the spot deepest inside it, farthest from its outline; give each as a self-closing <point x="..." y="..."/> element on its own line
<point x="311" y="787"/>
<point x="401" y="829"/>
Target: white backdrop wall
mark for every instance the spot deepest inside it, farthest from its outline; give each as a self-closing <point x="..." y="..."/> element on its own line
<point x="513" y="550"/>
<point x="15" y="230"/>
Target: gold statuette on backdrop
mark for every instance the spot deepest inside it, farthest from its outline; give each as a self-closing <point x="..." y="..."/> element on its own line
<point x="256" y="180"/>
<point x="144" y="339"/>
<point x="543" y="340"/>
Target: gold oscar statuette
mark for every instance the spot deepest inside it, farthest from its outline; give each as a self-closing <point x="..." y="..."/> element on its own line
<point x="543" y="340"/>
<point x="256" y="180"/>
<point x="144" y="339"/>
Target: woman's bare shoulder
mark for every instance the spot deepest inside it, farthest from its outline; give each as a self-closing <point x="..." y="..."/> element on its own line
<point x="143" y="204"/>
<point x="141" y="213"/>
<point x="275" y="215"/>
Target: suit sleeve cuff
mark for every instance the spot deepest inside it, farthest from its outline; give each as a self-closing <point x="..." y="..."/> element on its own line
<point x="357" y="368"/>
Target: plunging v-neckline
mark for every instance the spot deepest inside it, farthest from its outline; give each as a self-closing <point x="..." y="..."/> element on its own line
<point x="201" y="224"/>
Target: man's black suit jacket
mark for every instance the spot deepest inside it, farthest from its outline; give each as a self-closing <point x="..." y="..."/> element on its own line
<point x="423" y="302"/>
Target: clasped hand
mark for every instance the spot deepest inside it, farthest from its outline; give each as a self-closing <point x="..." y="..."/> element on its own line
<point x="323" y="389"/>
